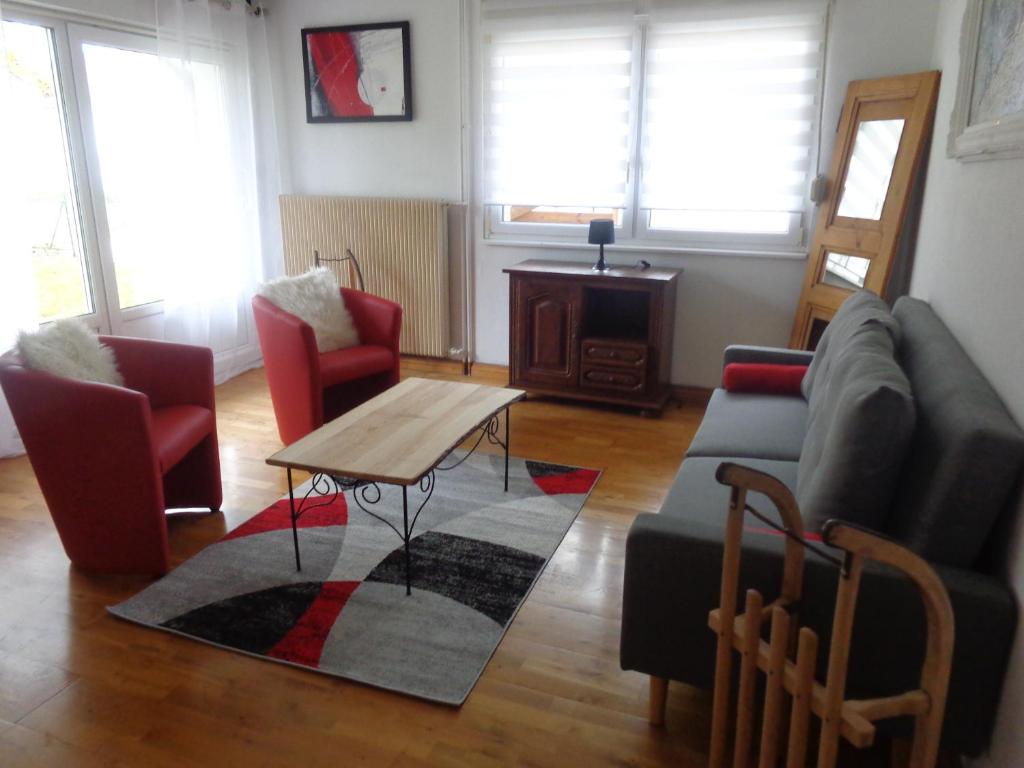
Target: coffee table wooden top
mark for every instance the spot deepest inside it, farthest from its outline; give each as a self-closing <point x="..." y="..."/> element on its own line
<point x="399" y="435"/>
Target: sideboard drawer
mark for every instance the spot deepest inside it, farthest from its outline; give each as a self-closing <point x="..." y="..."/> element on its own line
<point x="624" y="353"/>
<point x="618" y="379"/>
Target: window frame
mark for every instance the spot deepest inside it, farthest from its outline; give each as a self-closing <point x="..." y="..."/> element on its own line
<point x="71" y="119"/>
<point x="634" y="232"/>
<point x="78" y="36"/>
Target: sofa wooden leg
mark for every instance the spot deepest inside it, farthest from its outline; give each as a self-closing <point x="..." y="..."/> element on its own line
<point x="659" y="695"/>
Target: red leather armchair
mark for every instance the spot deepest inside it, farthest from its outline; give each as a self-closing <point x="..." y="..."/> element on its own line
<point x="111" y="460"/>
<point x="309" y="389"/>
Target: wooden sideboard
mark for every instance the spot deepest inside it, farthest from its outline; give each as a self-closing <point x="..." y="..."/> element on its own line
<point x="599" y="336"/>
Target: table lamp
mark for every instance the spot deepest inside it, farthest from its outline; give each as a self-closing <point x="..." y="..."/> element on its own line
<point x="602" y="231"/>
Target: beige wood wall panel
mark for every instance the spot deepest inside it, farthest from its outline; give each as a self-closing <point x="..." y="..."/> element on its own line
<point x="402" y="247"/>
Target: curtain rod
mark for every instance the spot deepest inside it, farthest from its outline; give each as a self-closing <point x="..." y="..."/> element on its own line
<point x="254" y="7"/>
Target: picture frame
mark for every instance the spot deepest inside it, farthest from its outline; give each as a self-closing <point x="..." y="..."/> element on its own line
<point x="358" y="73"/>
<point x="984" y="125"/>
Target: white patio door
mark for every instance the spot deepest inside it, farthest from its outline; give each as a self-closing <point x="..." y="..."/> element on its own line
<point x="88" y="218"/>
<point x="49" y="241"/>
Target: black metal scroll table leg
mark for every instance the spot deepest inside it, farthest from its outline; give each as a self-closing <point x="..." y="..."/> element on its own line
<point x="405" y="524"/>
<point x="295" y="528"/>
<point x="507" y="416"/>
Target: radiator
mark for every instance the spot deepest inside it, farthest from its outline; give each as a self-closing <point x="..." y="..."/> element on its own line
<point x="402" y="248"/>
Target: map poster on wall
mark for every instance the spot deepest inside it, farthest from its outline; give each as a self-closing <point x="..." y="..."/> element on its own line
<point x="988" y="117"/>
<point x="358" y="73"/>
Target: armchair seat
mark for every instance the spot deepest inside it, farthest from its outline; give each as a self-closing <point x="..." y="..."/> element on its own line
<point x="177" y="429"/>
<point x="353" y="363"/>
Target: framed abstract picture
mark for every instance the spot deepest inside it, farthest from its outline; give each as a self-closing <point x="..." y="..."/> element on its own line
<point x="988" y="116"/>
<point x="358" y="73"/>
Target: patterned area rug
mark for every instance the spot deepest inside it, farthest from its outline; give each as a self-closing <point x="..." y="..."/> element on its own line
<point x="476" y="554"/>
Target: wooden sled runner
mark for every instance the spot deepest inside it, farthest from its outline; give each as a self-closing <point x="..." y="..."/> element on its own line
<point x="790" y="678"/>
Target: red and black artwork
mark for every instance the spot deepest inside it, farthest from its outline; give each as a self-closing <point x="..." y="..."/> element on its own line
<point x="360" y="72"/>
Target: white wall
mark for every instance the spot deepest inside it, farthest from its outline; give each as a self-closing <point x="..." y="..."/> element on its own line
<point x="421" y="158"/>
<point x="732" y="299"/>
<point x="722" y="299"/>
<point x="970" y="266"/>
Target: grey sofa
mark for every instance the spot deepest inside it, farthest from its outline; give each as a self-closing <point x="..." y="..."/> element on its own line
<point x="952" y="461"/>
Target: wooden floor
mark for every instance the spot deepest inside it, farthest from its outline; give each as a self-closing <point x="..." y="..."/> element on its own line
<point x="81" y="688"/>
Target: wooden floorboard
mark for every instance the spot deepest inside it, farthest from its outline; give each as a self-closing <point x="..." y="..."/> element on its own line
<point x="81" y="688"/>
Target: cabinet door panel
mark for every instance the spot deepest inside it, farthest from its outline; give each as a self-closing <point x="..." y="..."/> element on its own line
<point x="547" y="333"/>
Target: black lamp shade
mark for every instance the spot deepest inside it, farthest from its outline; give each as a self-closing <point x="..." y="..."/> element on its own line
<point x="602" y="232"/>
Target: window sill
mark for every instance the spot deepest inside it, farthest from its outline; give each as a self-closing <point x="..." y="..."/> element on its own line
<point x="646" y="247"/>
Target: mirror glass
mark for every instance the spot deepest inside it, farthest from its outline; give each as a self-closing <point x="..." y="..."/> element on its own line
<point x="845" y="271"/>
<point x="867" y="178"/>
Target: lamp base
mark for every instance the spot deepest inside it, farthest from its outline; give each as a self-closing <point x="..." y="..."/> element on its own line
<point x="601" y="267"/>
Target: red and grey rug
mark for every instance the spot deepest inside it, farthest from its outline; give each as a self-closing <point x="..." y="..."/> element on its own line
<point x="476" y="554"/>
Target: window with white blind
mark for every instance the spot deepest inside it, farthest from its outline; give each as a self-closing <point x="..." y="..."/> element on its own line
<point x="558" y="120"/>
<point x="689" y="126"/>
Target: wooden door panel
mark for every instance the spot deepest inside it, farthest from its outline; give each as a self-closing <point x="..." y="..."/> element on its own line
<point x="910" y="98"/>
<point x="546" y="327"/>
<point x="549" y="319"/>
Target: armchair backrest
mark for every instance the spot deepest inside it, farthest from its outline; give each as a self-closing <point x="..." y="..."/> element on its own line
<point x="292" y="364"/>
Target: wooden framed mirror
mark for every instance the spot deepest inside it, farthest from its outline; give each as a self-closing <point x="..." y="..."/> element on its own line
<point x="880" y="143"/>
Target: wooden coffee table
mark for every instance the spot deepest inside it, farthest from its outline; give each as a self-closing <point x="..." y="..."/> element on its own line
<point x="400" y="437"/>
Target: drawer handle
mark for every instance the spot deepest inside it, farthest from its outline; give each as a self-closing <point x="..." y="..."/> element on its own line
<point x="609" y="378"/>
<point x="613" y="354"/>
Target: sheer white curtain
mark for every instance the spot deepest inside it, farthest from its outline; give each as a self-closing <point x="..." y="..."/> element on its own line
<point x="17" y="305"/>
<point x="209" y="176"/>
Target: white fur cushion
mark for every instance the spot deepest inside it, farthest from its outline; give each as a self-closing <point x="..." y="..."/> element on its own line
<point x="68" y="348"/>
<point x="315" y="298"/>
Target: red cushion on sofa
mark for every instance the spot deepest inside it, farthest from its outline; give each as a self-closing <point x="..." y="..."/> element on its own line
<point x="763" y="378"/>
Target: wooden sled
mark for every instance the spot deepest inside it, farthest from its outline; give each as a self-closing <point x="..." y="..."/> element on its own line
<point x="792" y="678"/>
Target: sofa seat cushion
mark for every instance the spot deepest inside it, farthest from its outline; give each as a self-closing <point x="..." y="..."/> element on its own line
<point x="354" y="363"/>
<point x="967" y="453"/>
<point x="859" y="427"/>
<point x="699" y="498"/>
<point x="177" y="429"/>
<point x="753" y="426"/>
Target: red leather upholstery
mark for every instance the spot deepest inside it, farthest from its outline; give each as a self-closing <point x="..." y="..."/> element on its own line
<point x="309" y="389"/>
<point x="763" y="378"/>
<point x="177" y="429"/>
<point x="111" y="460"/>
<point x="343" y="365"/>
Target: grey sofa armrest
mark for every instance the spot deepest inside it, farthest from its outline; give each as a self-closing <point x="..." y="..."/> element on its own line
<point x="673" y="577"/>
<point x="744" y="353"/>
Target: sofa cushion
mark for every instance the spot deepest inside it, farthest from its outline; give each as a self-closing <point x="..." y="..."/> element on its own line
<point x="699" y="498"/>
<point x="967" y="454"/>
<point x="761" y="426"/>
<point x="763" y="378"/>
<point x="860" y="309"/>
<point x="860" y="423"/>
